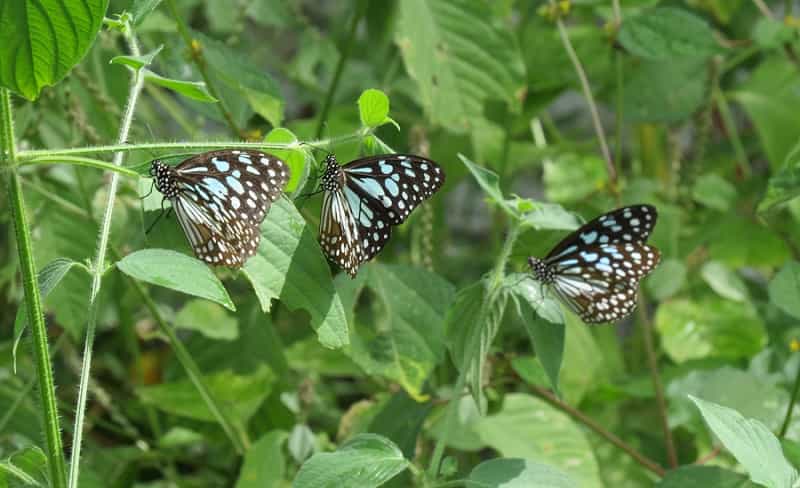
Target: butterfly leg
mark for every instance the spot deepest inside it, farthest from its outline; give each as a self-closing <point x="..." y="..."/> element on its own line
<point x="152" y="187"/>
<point x="161" y="214"/>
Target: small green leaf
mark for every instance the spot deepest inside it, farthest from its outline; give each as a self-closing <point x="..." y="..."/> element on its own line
<point x="490" y="183"/>
<point x="373" y="107"/>
<point x="179" y="437"/>
<point x="301" y="443"/>
<point x="667" y="279"/>
<point x="141" y="9"/>
<point x="365" y="461"/>
<point x="517" y="473"/>
<point x="714" y="191"/>
<point x="724" y="281"/>
<point x="240" y="395"/>
<point x="546" y="216"/>
<point x="196" y="90"/>
<point x="784" y="184"/>
<point x="289" y="264"/>
<point x="460" y="325"/>
<point x="41" y="42"/>
<point x="208" y="319"/>
<point x="667" y="33"/>
<point x="137" y="62"/>
<point x="751" y="443"/>
<point x="299" y="160"/>
<point x="177" y="271"/>
<point x="784" y="289"/>
<point x="264" y="463"/>
<point x="28" y="466"/>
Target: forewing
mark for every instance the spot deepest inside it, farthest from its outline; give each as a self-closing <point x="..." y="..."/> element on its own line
<point x="627" y="224"/>
<point x="394" y="184"/>
<point x="338" y="233"/>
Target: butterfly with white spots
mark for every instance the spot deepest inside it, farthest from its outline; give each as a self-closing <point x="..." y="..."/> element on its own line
<point x="365" y="198"/>
<point x="220" y="199"/>
<point x="595" y="271"/>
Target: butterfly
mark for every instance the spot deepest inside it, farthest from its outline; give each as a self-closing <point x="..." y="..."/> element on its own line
<point x="365" y="198"/>
<point x="220" y="199"/>
<point x="595" y="271"/>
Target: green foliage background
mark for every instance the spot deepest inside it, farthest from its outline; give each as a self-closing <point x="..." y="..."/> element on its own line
<point x="441" y="364"/>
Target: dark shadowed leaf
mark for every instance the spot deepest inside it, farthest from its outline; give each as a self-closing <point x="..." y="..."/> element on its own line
<point x="517" y="473"/>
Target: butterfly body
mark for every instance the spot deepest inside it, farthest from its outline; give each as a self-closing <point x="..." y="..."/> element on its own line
<point x="596" y="270"/>
<point x="220" y="199"/>
<point x="365" y="198"/>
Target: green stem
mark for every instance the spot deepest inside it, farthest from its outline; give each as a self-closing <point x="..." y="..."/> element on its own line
<point x="729" y="125"/>
<point x="788" y="419"/>
<point x="196" y="51"/>
<point x="33" y="300"/>
<point x="619" y="118"/>
<point x="79" y="161"/>
<point x="495" y="284"/>
<point x="361" y="7"/>
<point x="98" y="267"/>
<point x="237" y="436"/>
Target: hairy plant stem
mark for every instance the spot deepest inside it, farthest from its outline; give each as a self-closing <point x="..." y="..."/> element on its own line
<point x="98" y="267"/>
<point x="658" y="386"/>
<point x="494" y="287"/>
<point x="361" y="7"/>
<point x="587" y="92"/>
<point x="79" y="161"/>
<point x="789" y="410"/>
<point x="33" y="301"/>
<point x="576" y="414"/>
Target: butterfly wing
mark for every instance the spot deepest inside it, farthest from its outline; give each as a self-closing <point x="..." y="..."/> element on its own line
<point x="627" y="224"/>
<point x="393" y="184"/>
<point x="339" y="233"/>
<point x="600" y="283"/>
<point x="372" y="223"/>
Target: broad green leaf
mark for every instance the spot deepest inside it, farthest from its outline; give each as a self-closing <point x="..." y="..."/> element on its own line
<point x="365" y="461"/>
<point x="667" y="33"/>
<point x="572" y="177"/>
<point x="517" y="473"/>
<point x="755" y="245"/>
<point x="41" y="42"/>
<point x="667" y="279"/>
<point x="527" y="427"/>
<point x="583" y="365"/>
<point x="712" y="327"/>
<point x="784" y="184"/>
<point x="299" y="160"/>
<point x="196" y="90"/>
<point x="177" y="271"/>
<point x="458" y="58"/>
<point x="244" y="76"/>
<point x="48" y="279"/>
<point x="751" y="443"/>
<point x="289" y="265"/>
<point x="711" y="476"/>
<point x="730" y="387"/>
<point x="400" y="420"/>
<point x="714" y="191"/>
<point x="490" y="183"/>
<point x="406" y="341"/>
<point x="264" y="463"/>
<point x="784" y="289"/>
<point x="239" y="395"/>
<point x="373" y="108"/>
<point x="208" y="319"/>
<point x="27" y="466"/>
<point x="650" y="94"/>
<point x="724" y="281"/>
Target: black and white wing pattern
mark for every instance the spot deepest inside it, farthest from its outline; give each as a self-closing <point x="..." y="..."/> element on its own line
<point x="596" y="270"/>
<point x="220" y="199"/>
<point x="366" y="197"/>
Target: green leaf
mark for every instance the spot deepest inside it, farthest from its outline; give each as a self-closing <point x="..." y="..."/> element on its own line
<point x="301" y="443"/>
<point x="711" y="476"/>
<point x="462" y="434"/>
<point x="176" y="271"/>
<point x="714" y="191"/>
<point x="28" y="466"/>
<point x="784" y="289"/>
<point x="724" y="281"/>
<point x="547" y="216"/>
<point x="784" y="184"/>
<point x="241" y="75"/>
<point x="137" y="62"/>
<point x="572" y="177"/>
<point x="490" y="183"/>
<point x="650" y="94"/>
<point x="667" y="279"/>
<point x="264" y="463"/>
<point x="299" y="160"/>
<point x="527" y="427"/>
<point x="772" y="34"/>
<point x="177" y="437"/>
<point x="196" y="90"/>
<point x="458" y="58"/>
<point x="712" y="327"/>
<point x="141" y="9"/>
<point x="406" y="342"/>
<point x="240" y="395"/>
<point x="755" y="245"/>
<point x="41" y="42"/>
<point x="517" y="473"/>
<point x="290" y="265"/>
<point x="208" y="319"/>
<point x="365" y="461"/>
<point x="48" y="279"/>
<point x="667" y="33"/>
<point x="751" y="443"/>
<point x="400" y="420"/>
<point x="373" y="107"/>
<point x="583" y="365"/>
